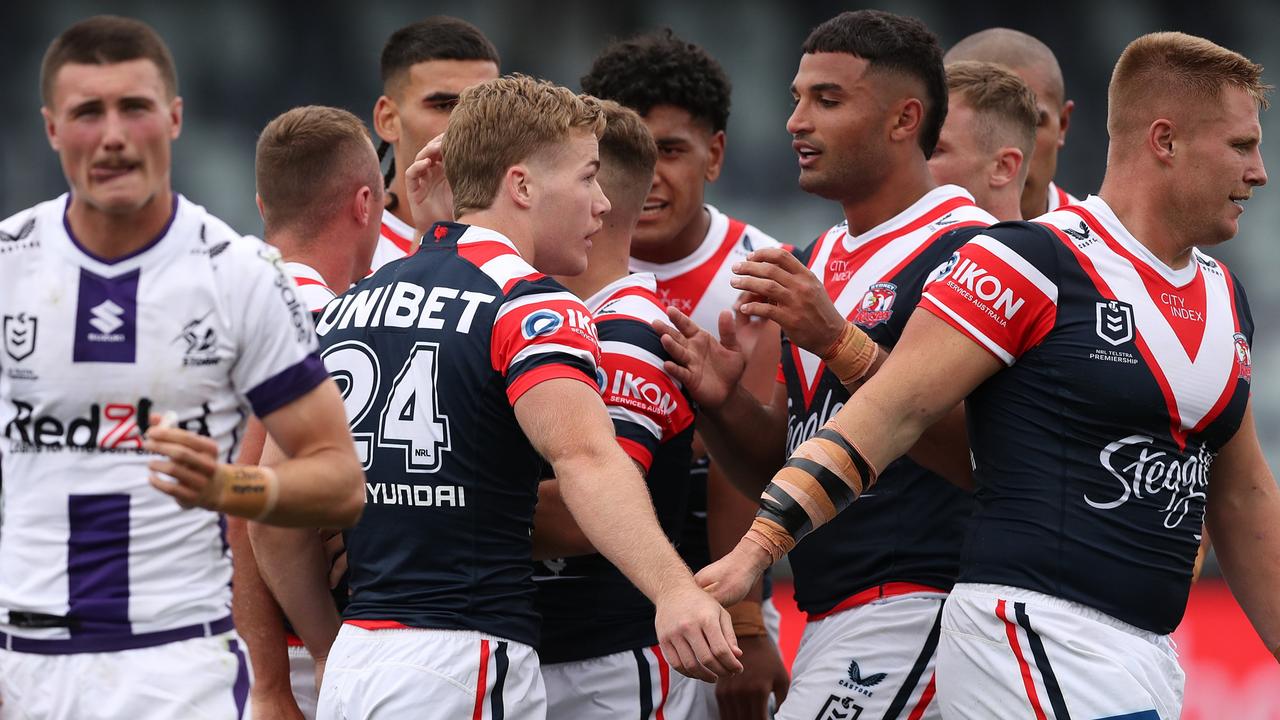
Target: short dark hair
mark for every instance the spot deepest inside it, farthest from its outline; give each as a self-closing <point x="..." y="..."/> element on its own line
<point x="660" y="68"/>
<point x="306" y="162"/>
<point x="106" y="40"/>
<point x="626" y="142"/>
<point x="892" y="43"/>
<point x="439" y="37"/>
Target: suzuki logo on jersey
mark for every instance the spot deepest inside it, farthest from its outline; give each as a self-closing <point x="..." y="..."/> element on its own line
<point x="1244" y="359"/>
<point x="106" y="320"/>
<point x="972" y="280"/>
<point x="541" y="322"/>
<point x="1171" y="484"/>
<point x="876" y="305"/>
<point x="628" y="387"/>
<point x="19" y="335"/>
<point x="1115" y="321"/>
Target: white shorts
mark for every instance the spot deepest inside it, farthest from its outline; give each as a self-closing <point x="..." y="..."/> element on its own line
<point x="630" y="684"/>
<point x="202" y="678"/>
<point x="302" y="679"/>
<point x="871" y="661"/>
<point x="428" y="674"/>
<point x="1009" y="652"/>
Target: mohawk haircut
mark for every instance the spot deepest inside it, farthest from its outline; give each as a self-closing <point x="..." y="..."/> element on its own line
<point x="437" y="38"/>
<point x="660" y="68"/>
<point x="896" y="44"/>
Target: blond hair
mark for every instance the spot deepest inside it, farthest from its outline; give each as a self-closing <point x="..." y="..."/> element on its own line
<point x="1160" y="73"/>
<point x="503" y="122"/>
<point x="308" y="161"/>
<point x="1004" y="105"/>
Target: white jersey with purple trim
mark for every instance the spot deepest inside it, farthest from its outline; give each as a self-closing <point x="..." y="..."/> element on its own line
<point x="698" y="285"/>
<point x="201" y="322"/>
<point x="395" y="241"/>
<point x="312" y="290"/>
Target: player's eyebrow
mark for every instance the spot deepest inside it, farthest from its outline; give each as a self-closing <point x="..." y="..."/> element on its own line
<point x="440" y="96"/>
<point x="826" y="87"/>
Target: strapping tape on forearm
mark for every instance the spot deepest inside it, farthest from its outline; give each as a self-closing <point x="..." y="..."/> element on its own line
<point x="748" y="619"/>
<point x="824" y="475"/>
<point x="851" y="356"/>
<point x="247" y="491"/>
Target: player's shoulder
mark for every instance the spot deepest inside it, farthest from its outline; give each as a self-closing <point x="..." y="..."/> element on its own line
<point x="21" y="231"/>
<point x="225" y="247"/>
<point x="495" y="256"/>
<point x="634" y="297"/>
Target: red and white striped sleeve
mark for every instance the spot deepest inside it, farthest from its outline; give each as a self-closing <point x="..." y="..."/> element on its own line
<point x="543" y="332"/>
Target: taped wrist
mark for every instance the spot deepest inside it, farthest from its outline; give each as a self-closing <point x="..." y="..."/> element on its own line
<point x="824" y="475"/>
<point x="748" y="619"/>
<point x="247" y="491"/>
<point x="851" y="356"/>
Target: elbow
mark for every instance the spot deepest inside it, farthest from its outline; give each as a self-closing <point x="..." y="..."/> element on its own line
<point x="350" y="503"/>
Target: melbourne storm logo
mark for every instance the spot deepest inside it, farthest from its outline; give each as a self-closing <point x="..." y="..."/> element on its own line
<point x="201" y="340"/>
<point x="19" y="335"/>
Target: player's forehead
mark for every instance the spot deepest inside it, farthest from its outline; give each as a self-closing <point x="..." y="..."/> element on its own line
<point x="668" y="122"/>
<point x="1236" y="112"/>
<point x="76" y="83"/>
<point x="961" y="118"/>
<point x="831" y="70"/>
<point x="446" y="76"/>
<point x="1043" y="81"/>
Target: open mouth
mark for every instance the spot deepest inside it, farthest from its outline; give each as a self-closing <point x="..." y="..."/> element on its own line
<point x="653" y="207"/>
<point x="806" y="153"/>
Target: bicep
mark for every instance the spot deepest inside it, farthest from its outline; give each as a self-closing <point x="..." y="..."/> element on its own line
<point x="313" y="420"/>
<point x="563" y="417"/>
<point x="1239" y="475"/>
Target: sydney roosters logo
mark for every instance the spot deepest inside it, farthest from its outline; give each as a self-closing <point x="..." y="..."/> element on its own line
<point x="876" y="305"/>
<point x="1243" y="357"/>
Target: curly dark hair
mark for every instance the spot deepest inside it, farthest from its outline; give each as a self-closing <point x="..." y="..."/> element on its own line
<point x="895" y="43"/>
<point x="660" y="68"/>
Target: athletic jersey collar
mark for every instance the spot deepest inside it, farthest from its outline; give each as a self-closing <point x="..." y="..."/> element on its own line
<point x="398" y="226"/>
<point x="302" y="270"/>
<point x="1098" y="208"/>
<point x="643" y="280"/>
<point x="927" y="202"/>
<point x="179" y="215"/>
<point x="710" y="243"/>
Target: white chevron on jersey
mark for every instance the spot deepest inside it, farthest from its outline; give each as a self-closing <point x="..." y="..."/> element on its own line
<point x="698" y="285"/>
<point x="1196" y="385"/>
<point x="904" y="242"/>
<point x="312" y="290"/>
<point x="396" y="241"/>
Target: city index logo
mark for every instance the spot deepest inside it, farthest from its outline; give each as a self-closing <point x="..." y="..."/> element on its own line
<point x="635" y="390"/>
<point x="108" y="426"/>
<point x="968" y="275"/>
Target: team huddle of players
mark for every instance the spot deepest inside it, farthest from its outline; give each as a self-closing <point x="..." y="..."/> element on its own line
<point x="466" y="426"/>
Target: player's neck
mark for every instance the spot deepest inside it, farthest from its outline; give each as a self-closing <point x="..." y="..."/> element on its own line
<point x="1003" y="206"/>
<point x="899" y="190"/>
<point x="115" y="235"/>
<point x="1143" y="213"/>
<point x="606" y="262"/>
<point x="401" y="211"/>
<point x="512" y="225"/>
<point x="321" y="254"/>
<point x="1035" y="200"/>
<point x="682" y="244"/>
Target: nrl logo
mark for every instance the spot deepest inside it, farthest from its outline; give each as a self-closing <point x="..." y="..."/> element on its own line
<point x="1115" y="321"/>
<point x="19" y="335"/>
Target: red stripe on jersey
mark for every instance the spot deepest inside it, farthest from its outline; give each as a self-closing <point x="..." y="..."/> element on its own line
<point x="300" y="281"/>
<point x="925" y="698"/>
<point x="664" y="675"/>
<point x="404" y="244"/>
<point x="1229" y="390"/>
<point x="684" y="292"/>
<point x="541" y="374"/>
<point x="1011" y="631"/>
<point x="1063" y="198"/>
<point x="479" y="253"/>
<point x="482" y="681"/>
<point x="640" y="387"/>
<point x="1175" y="417"/>
<point x="1015" y="317"/>
<point x="1181" y="315"/>
<point x="573" y="328"/>
<point x="637" y="452"/>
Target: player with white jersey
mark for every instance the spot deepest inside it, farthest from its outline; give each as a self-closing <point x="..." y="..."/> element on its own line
<point x="600" y="656"/>
<point x="123" y="301"/>
<point x="1105" y="364"/>
<point x="425" y="65"/>
<point x="320" y="194"/>
<point x="462" y="348"/>
<point x="1035" y="63"/>
<point x="683" y="95"/>
<point x="873" y="583"/>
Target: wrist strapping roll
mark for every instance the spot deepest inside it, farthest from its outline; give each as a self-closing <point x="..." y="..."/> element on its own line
<point x="824" y="475"/>
<point x="851" y="356"/>
<point x="748" y="619"/>
<point x="247" y="491"/>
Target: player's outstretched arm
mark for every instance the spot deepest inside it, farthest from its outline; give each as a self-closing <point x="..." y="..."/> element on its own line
<point x="1243" y="513"/>
<point x="321" y="485"/>
<point x="743" y="435"/>
<point x="930" y="371"/>
<point x="568" y="425"/>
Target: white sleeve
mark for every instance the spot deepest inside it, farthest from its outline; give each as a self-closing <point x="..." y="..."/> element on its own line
<point x="278" y="360"/>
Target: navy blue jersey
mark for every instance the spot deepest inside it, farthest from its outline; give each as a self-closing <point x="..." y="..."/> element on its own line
<point x="1092" y="448"/>
<point x="431" y="354"/>
<point x="908" y="527"/>
<point x="589" y="608"/>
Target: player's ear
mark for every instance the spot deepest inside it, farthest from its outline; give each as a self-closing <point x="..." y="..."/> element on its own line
<point x="262" y="210"/>
<point x="386" y="119"/>
<point x="907" y="120"/>
<point x="715" y="160"/>
<point x="1160" y="140"/>
<point x="1008" y="162"/>
<point x="50" y="128"/>
<point x="518" y="185"/>
<point x="1064" y="120"/>
<point x="175" y="118"/>
<point x="362" y="206"/>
